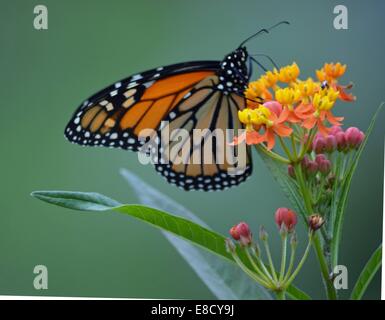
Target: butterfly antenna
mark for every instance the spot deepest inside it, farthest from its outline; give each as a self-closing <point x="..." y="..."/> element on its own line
<point x="267" y="57"/>
<point x="253" y="35"/>
<point x="278" y="24"/>
<point x="263" y="31"/>
<point x="258" y="63"/>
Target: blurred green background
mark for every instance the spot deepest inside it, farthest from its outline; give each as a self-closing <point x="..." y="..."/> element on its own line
<point x="44" y="75"/>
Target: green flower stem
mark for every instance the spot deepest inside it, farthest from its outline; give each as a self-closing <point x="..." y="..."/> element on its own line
<point x="272" y="269"/>
<point x="283" y="258"/>
<point x="330" y="290"/>
<point x="306" y="145"/>
<point x="272" y="154"/>
<point x="249" y="272"/>
<point x="302" y="261"/>
<point x="257" y="269"/>
<point x="280" y="295"/>
<point x="285" y="148"/>
<point x="320" y="190"/>
<point x="264" y="269"/>
<point x="294" y="147"/>
<point x="291" y="263"/>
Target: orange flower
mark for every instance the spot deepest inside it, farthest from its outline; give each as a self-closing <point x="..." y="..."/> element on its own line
<point x="319" y="121"/>
<point x="322" y="105"/>
<point x="301" y="112"/>
<point x="289" y="73"/>
<point x="330" y="73"/>
<point x="334" y="71"/>
<point x="345" y="96"/>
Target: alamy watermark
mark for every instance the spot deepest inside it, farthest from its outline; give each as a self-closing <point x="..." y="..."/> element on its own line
<point x="40" y="281"/>
<point x="197" y="146"/>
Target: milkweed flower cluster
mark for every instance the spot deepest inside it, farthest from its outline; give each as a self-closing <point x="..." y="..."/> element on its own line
<point x="293" y="121"/>
<point x="263" y="272"/>
<point x="281" y="105"/>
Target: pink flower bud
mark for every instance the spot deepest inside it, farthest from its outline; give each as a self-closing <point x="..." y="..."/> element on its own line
<point x="325" y="166"/>
<point x="286" y="217"/>
<point x="274" y="106"/>
<point x="241" y="232"/>
<point x="290" y="171"/>
<point x="354" y="137"/>
<point x="312" y="167"/>
<point x="331" y="143"/>
<point x="341" y="141"/>
<point x="319" y="144"/>
<point x="335" y="129"/>
<point x="319" y="158"/>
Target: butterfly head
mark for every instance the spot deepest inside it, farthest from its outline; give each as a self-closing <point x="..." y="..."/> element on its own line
<point x="234" y="71"/>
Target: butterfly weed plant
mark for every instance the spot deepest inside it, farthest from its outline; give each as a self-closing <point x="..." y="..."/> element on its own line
<point x="292" y="124"/>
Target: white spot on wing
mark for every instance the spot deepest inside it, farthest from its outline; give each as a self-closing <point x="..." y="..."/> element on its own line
<point x="136" y="77"/>
<point x="149" y="84"/>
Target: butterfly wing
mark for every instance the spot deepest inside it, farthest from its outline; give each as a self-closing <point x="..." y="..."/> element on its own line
<point x="188" y="96"/>
<point x="197" y="158"/>
<point x="115" y="116"/>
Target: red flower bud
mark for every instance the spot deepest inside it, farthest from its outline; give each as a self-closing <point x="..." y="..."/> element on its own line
<point x="354" y="137"/>
<point x="241" y="232"/>
<point x="234" y="233"/>
<point x="286" y="217"/>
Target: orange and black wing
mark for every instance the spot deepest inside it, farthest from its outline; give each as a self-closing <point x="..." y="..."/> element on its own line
<point x="197" y="155"/>
<point x="115" y="116"/>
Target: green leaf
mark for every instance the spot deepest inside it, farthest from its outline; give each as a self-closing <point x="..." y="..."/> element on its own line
<point x="224" y="279"/>
<point x="367" y="274"/>
<point x="339" y="209"/>
<point x="184" y="228"/>
<point x="181" y="227"/>
<point x="296" y="294"/>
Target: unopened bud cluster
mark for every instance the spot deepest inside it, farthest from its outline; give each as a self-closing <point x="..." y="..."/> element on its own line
<point x="264" y="272"/>
<point x="338" y="140"/>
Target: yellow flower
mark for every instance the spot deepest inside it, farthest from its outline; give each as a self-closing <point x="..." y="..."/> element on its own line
<point x="251" y="117"/>
<point x="270" y="78"/>
<point x="322" y="102"/>
<point x="255" y="90"/>
<point x="245" y="116"/>
<point x="289" y="73"/>
<point x="307" y="88"/>
<point x="262" y="115"/>
<point x="287" y="96"/>
<point x="331" y="93"/>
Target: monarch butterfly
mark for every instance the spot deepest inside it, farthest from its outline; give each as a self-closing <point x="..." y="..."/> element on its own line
<point x="190" y="95"/>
